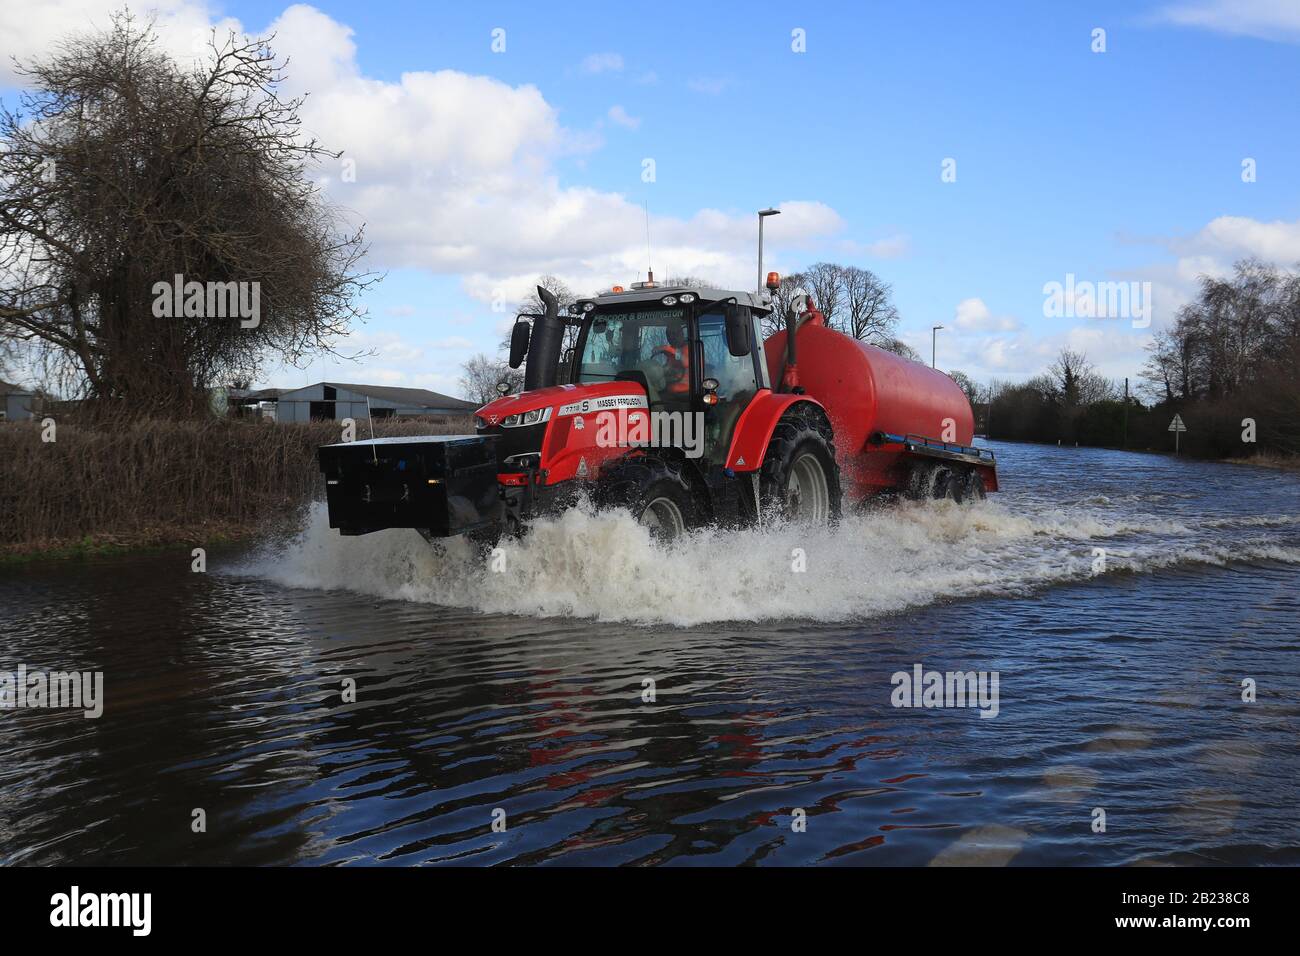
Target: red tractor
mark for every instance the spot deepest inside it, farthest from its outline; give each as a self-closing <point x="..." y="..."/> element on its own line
<point x="674" y="407"/>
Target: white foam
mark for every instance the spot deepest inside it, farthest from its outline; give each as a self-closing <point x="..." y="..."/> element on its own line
<point x="606" y="566"/>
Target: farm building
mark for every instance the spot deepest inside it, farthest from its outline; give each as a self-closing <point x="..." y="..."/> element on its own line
<point x="253" y="403"/>
<point x="16" y="403"/>
<point x="336" y="400"/>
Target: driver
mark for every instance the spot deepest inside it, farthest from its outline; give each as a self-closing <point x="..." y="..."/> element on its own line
<point x="677" y="355"/>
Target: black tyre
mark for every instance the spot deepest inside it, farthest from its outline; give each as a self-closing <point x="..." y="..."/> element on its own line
<point x="800" y="479"/>
<point x="948" y="484"/>
<point x="657" y="492"/>
<point x="974" y="487"/>
<point x="918" y="482"/>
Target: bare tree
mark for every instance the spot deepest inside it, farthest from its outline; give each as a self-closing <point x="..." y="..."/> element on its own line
<point x="694" y="282"/>
<point x="900" y="348"/>
<point x="824" y="281"/>
<point x="481" y="374"/>
<point x="869" y="315"/>
<point x="853" y="300"/>
<point x="120" y="171"/>
<point x="967" y="385"/>
<point x="1239" y="328"/>
<point x="558" y="287"/>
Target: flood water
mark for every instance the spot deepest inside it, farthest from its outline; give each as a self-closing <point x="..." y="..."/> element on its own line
<point x="522" y="691"/>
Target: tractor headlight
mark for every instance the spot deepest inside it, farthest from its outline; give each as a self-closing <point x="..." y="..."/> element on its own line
<point x="670" y="299"/>
<point x="686" y="298"/>
<point x="479" y="422"/>
<point x="534" y="417"/>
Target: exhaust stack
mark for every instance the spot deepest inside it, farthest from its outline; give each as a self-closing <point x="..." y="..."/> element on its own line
<point x="545" y="343"/>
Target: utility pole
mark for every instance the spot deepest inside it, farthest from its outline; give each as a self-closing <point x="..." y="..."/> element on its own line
<point x="934" y="329"/>
<point x="762" y="214"/>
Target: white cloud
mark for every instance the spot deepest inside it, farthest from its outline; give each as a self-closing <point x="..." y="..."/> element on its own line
<point x="29" y="30"/>
<point x="987" y="345"/>
<point x="611" y="246"/>
<point x="456" y="174"/>
<point x="973" y="315"/>
<point x="459" y="174"/>
<point x="602" y="63"/>
<point x="385" y="376"/>
<point x="620" y="116"/>
<point x="1229" y="238"/>
<point x="1212" y="251"/>
<point x="1265" y="19"/>
<point x="1020" y="353"/>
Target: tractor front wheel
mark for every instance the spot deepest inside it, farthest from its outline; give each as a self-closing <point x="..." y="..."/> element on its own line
<point x="655" y="490"/>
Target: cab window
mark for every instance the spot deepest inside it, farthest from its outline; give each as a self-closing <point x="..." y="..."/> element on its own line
<point x="735" y="374"/>
<point x="651" y="346"/>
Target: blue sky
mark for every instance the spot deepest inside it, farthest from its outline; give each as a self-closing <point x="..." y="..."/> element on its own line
<point x="479" y="169"/>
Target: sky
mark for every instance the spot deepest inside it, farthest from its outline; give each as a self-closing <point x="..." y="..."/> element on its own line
<point x="988" y="160"/>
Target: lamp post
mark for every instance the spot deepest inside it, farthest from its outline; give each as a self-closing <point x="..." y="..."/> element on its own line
<point x="934" y="329"/>
<point x="762" y="214"/>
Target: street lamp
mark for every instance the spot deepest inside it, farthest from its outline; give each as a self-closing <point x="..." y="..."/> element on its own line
<point x="934" y="329"/>
<point x="763" y="214"/>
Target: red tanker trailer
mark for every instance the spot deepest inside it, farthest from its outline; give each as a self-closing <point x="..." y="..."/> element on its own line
<point x="673" y="407"/>
<point x="886" y="411"/>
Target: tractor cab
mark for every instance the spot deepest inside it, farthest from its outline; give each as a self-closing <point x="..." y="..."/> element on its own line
<point x="685" y="361"/>
<point x="693" y="351"/>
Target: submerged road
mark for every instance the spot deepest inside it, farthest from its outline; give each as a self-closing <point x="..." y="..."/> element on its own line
<point x="732" y="699"/>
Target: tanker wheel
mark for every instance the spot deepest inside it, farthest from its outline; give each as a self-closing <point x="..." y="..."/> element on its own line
<point x="655" y="490"/>
<point x="948" y="484"/>
<point x="800" y="479"/>
<point x="974" y="486"/>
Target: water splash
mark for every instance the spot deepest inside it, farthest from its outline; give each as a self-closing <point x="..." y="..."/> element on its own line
<point x="605" y="566"/>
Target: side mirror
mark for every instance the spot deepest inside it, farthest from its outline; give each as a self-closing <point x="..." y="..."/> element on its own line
<point x="519" y="336"/>
<point x="738" y="331"/>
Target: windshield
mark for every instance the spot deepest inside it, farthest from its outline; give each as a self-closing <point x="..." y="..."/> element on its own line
<point x="651" y="343"/>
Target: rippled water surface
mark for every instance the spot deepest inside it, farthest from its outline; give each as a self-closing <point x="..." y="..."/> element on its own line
<point x="522" y="690"/>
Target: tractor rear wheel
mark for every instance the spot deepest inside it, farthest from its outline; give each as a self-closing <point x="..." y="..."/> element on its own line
<point x="655" y="490"/>
<point x="800" y="479"/>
